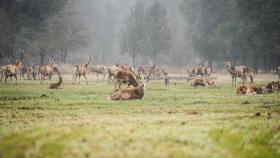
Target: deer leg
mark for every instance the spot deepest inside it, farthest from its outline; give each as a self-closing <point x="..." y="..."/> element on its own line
<point x="103" y="76"/>
<point x="6" y="77"/>
<point x="15" y="78"/>
<point x="252" y="79"/>
<point x="79" y="79"/>
<point x="86" y="78"/>
<point x="74" y="78"/>
<point x="97" y="76"/>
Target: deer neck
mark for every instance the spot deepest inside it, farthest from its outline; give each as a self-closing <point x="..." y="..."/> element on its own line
<point x="18" y="64"/>
<point x="231" y="70"/>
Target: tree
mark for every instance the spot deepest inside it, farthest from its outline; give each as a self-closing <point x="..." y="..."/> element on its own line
<point x="134" y="34"/>
<point x="158" y="31"/>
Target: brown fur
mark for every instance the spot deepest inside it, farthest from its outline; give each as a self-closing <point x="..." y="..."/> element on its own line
<point x="57" y="85"/>
<point x="239" y="72"/>
<point x="99" y="69"/>
<point x="31" y="73"/>
<point x="81" y="70"/>
<point x="249" y="90"/>
<point x="129" y="93"/>
<point x="203" y="82"/>
<point x="126" y="77"/>
<point x="272" y="86"/>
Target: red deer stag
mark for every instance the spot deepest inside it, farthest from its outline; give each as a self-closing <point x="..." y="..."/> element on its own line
<point x="129" y="93"/>
<point x="239" y="72"/>
<point x="147" y="71"/>
<point x="81" y="70"/>
<point x="12" y="70"/>
<point x="126" y="77"/>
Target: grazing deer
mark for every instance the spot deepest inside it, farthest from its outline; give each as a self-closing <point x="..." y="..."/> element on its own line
<point x="12" y="70"/>
<point x="249" y="90"/>
<point x="239" y="72"/>
<point x="47" y="70"/>
<point x="129" y="93"/>
<point x="99" y="69"/>
<point x="81" y="70"/>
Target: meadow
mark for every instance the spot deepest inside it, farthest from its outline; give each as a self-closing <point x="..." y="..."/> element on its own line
<point x="170" y="121"/>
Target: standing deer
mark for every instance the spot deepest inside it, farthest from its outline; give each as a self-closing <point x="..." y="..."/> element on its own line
<point x="240" y="72"/>
<point x="47" y="70"/>
<point x="11" y="70"/>
<point x="22" y="72"/>
<point x="31" y="72"/>
<point x="99" y="69"/>
<point x="126" y="77"/>
<point x="81" y="70"/>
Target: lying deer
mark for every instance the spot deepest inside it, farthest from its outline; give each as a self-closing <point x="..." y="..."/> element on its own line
<point x="57" y="85"/>
<point x="203" y="82"/>
<point x="249" y="90"/>
<point x="272" y="87"/>
<point x="81" y="70"/>
<point x="12" y="70"/>
<point x="129" y="93"/>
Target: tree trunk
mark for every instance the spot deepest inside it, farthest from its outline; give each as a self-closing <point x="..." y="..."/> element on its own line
<point x="133" y="61"/>
<point x="64" y="54"/>
<point x="42" y="57"/>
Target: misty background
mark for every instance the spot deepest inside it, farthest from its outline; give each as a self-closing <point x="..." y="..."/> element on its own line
<point x="172" y="33"/>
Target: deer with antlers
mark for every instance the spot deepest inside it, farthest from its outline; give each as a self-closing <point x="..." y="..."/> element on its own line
<point x="81" y="70"/>
<point x="47" y="70"/>
<point x="128" y="77"/>
<point x="11" y="70"/>
<point x="239" y="72"/>
<point x="129" y="93"/>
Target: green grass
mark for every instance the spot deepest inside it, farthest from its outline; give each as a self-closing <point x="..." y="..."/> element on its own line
<point x="174" y="121"/>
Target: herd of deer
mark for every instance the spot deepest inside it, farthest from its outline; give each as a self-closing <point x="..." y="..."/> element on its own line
<point x="125" y="74"/>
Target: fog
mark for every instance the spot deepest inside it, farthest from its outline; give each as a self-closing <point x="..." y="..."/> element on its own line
<point x="171" y="33"/>
<point x="106" y="19"/>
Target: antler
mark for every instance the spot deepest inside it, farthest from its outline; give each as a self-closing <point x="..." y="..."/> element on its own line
<point x="53" y="59"/>
<point x="21" y="54"/>
<point x="89" y="61"/>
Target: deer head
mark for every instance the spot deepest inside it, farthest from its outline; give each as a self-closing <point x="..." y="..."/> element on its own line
<point x="228" y="64"/>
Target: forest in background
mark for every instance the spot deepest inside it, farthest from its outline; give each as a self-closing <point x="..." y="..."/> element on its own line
<point x="171" y="33"/>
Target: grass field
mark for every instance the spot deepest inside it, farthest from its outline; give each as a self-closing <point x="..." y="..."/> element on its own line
<point x="173" y="121"/>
